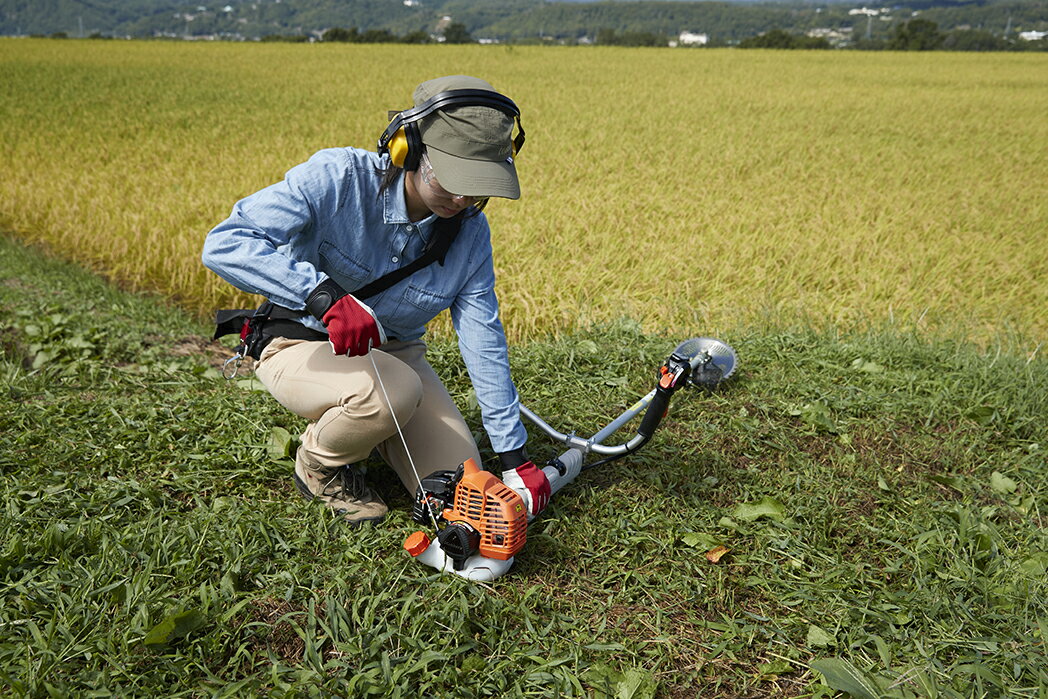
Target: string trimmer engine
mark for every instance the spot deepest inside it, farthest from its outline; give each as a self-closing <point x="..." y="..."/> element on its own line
<point x="480" y="521"/>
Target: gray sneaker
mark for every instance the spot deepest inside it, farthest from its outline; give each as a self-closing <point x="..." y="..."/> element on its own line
<point x="342" y="488"/>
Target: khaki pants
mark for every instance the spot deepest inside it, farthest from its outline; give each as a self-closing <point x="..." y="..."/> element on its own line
<point x="348" y="413"/>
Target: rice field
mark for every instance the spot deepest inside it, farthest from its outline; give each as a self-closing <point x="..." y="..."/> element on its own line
<point x="690" y="190"/>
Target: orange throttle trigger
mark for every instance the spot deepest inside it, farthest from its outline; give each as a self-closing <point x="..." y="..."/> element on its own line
<point x="669" y="378"/>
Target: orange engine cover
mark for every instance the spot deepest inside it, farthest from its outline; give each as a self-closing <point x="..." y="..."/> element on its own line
<point x="492" y="508"/>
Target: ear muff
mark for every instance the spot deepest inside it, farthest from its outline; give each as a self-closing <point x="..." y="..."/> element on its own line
<point x="403" y="141"/>
<point x="398" y="148"/>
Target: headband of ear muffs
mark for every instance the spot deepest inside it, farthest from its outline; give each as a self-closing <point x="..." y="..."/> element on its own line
<point x="403" y="141"/>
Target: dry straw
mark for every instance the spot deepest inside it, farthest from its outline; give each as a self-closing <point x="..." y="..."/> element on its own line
<point x="692" y="190"/>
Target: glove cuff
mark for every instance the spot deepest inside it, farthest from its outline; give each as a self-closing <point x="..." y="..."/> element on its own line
<point x="512" y="479"/>
<point x="513" y="458"/>
<point x="323" y="297"/>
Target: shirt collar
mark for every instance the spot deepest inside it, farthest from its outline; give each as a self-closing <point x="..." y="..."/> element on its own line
<point x="395" y="208"/>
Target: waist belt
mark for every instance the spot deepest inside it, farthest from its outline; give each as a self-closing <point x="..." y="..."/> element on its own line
<point x="258" y="327"/>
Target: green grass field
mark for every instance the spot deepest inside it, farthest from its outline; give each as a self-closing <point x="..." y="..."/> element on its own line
<point x="683" y="189"/>
<point x="882" y="494"/>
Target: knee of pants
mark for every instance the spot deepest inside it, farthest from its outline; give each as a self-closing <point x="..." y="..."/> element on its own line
<point x="362" y="420"/>
<point x="403" y="393"/>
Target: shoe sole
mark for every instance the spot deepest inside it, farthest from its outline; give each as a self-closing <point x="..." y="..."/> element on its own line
<point x="305" y="492"/>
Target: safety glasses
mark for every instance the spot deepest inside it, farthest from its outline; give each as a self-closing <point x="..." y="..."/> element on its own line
<point x="425" y="169"/>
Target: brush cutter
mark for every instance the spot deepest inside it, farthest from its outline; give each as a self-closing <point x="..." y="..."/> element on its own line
<point x="481" y="523"/>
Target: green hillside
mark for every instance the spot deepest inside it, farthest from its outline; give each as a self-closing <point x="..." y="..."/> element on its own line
<point x="503" y="20"/>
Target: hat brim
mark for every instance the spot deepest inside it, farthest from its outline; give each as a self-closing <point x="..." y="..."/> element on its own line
<point x="474" y="178"/>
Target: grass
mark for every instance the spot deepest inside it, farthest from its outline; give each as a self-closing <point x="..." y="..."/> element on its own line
<point x="846" y="187"/>
<point x="881" y="492"/>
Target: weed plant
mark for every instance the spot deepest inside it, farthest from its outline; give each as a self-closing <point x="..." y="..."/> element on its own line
<point x="882" y="495"/>
<point x="682" y="188"/>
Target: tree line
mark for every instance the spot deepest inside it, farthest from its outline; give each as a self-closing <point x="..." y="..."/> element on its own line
<point x="454" y="33"/>
<point x="914" y="35"/>
<point x="983" y="25"/>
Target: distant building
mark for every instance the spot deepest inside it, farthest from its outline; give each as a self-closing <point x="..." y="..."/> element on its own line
<point x="836" y="37"/>
<point x="1032" y="36"/>
<point x="692" y="39"/>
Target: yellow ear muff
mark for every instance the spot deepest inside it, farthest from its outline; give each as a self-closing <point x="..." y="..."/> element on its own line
<point x="398" y="148"/>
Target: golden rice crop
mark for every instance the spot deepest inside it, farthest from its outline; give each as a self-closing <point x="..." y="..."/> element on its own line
<point x="691" y="190"/>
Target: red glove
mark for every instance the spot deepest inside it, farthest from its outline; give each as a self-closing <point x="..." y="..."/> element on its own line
<point x="531" y="484"/>
<point x="353" y="329"/>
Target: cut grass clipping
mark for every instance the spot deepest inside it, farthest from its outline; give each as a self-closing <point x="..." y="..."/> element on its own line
<point x="856" y="512"/>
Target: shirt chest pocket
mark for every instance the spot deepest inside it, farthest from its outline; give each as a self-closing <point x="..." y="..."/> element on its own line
<point x="426" y="301"/>
<point x="349" y="273"/>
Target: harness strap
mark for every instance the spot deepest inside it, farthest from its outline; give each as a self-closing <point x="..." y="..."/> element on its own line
<point x="445" y="230"/>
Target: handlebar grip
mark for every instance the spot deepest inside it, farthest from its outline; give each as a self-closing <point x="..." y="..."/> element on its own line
<point x="655" y="412"/>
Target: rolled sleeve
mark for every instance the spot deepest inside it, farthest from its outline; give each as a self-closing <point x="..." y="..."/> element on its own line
<point x="252" y="249"/>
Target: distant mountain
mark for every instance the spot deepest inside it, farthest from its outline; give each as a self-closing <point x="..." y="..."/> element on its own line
<point x="500" y="20"/>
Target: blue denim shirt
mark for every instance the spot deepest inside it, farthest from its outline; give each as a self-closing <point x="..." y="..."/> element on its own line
<point x="328" y="219"/>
